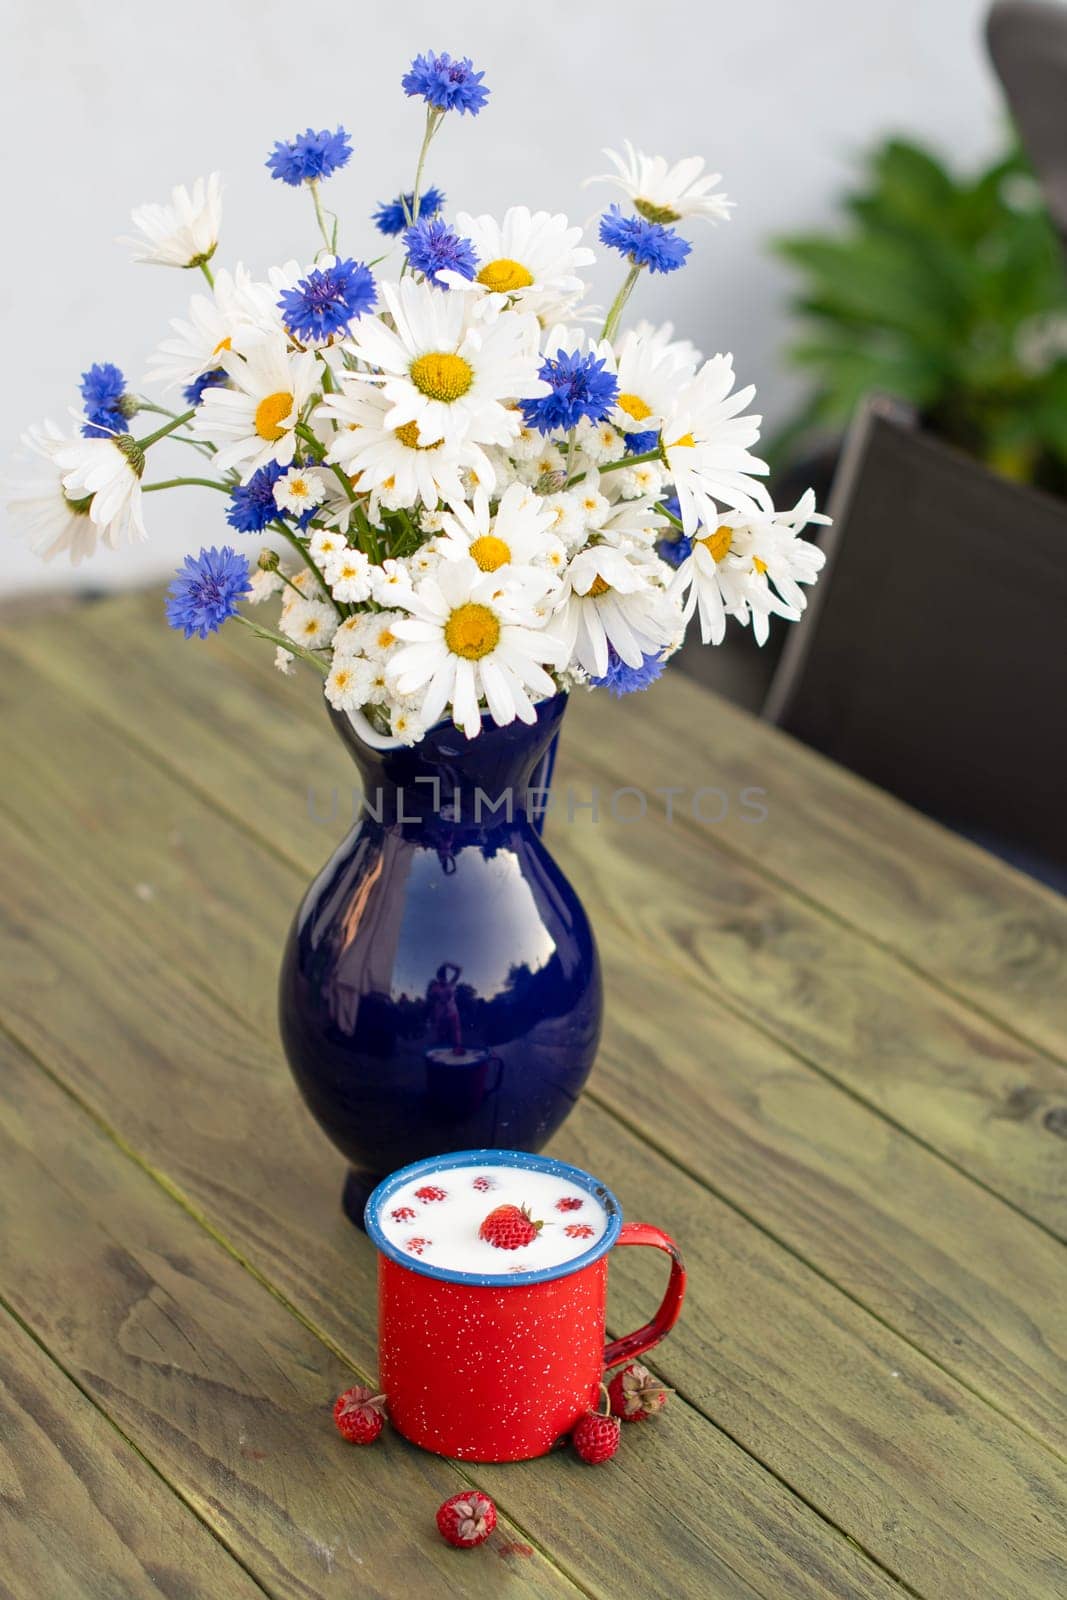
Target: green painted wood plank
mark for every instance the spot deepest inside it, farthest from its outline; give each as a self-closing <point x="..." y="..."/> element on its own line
<point x="966" y="1087"/>
<point x="941" y="1262"/>
<point x="224" y="1391"/>
<point x="82" y="1516"/>
<point x="802" y="1362"/>
<point x="116" y="1020"/>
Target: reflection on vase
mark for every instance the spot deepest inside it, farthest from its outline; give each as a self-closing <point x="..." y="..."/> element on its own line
<point x="440" y="989"/>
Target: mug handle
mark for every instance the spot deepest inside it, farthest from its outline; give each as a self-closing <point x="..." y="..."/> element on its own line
<point x="635" y="1344"/>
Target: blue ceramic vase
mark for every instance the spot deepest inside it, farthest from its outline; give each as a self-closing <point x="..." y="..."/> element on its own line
<point x="440" y="988"/>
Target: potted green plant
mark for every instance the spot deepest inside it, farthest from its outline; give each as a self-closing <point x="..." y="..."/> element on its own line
<point x="946" y="292"/>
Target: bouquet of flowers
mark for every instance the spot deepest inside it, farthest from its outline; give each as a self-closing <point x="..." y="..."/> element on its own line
<point x="484" y="492"/>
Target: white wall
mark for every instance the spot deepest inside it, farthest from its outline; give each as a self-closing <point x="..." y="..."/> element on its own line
<point x="107" y="103"/>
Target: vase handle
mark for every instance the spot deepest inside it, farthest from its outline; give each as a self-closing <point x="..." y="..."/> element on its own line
<point x="376" y="741"/>
<point x="635" y="1344"/>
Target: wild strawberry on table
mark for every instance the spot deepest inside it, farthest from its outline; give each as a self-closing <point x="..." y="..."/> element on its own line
<point x="466" y="1519"/>
<point x="635" y="1394"/>
<point x="431" y="1191"/>
<point x="509" y="1228"/>
<point x="596" y="1437"/>
<point x="359" y="1414"/>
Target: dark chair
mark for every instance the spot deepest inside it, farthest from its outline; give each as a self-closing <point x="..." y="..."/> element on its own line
<point x="1028" y="44"/>
<point x="932" y="657"/>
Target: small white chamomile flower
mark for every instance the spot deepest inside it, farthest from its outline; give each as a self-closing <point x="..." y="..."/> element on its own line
<point x="348" y="687"/>
<point x="599" y="441"/>
<point x="326" y="543"/>
<point x="405" y="724"/>
<point x="391" y="583"/>
<point x="349" y="575"/>
<point x="283" y="661"/>
<point x="263" y="582"/>
<point x="311" y="623"/>
<point x="642" y="482"/>
<point x="300" y="489"/>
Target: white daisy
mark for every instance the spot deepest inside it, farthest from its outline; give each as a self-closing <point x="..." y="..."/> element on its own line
<point x="528" y="260"/>
<point x="392" y="583"/>
<point x="642" y="482"/>
<point x="568" y="521"/>
<point x="405" y="724"/>
<point x="183" y="233"/>
<point x="325" y="543"/>
<point x="466" y="640"/>
<point x="253" y="422"/>
<point x="649" y="368"/>
<point x="599" y="442"/>
<point x="454" y="377"/>
<point x="300" y="490"/>
<point x="776" y="551"/>
<point x="609" y="600"/>
<point x="663" y="193"/>
<point x="395" y="460"/>
<point x="311" y="623"/>
<point x="706" y="443"/>
<point x="349" y="685"/>
<point x="349" y="575"/>
<point x="213" y="319"/>
<point x="109" y="471"/>
<point x="713" y="583"/>
<point x="264" y="582"/>
<point x="40" y="507"/>
<point x="514" y="542"/>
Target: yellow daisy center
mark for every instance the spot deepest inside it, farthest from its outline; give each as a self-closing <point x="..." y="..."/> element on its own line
<point x="341" y="677"/>
<point x="686" y="442"/>
<point x="654" y="213"/>
<point x="298" y="487"/>
<point x="490" y="552"/>
<point x="386" y="639"/>
<point x="597" y="588"/>
<point x="408" y="434"/>
<point x="504" y="276"/>
<point x="271" y="412"/>
<point x="472" y="631"/>
<point x="634" y="406"/>
<point x="760" y="566"/>
<point x="718" y="544"/>
<point x="223" y="344"/>
<point x="442" y="375"/>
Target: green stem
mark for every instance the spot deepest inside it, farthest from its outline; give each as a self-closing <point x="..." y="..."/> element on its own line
<point x="627" y="461"/>
<point x="208" y="274"/>
<point x="570" y="456"/>
<point x="670" y="516"/>
<point x="309" y="560"/>
<point x="161" y="433"/>
<point x="433" y="122"/>
<point x="318" y="449"/>
<point x="286" y="644"/>
<point x="174" y="483"/>
<point x="611" y="321"/>
<point x="329" y="237"/>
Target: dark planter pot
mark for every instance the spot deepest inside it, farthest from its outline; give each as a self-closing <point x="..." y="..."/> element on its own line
<point x="440" y="988"/>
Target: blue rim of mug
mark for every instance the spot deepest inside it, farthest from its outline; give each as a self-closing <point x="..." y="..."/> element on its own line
<point x="434" y="1165"/>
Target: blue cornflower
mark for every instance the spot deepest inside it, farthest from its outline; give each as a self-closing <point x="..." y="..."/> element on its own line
<point x="621" y="679"/>
<point x="435" y="247"/>
<point x="391" y="216"/>
<point x="674" y="546"/>
<point x="328" y="299"/>
<point x="103" y="389"/>
<point x="193" y="392"/>
<point x="639" y="444"/>
<point x="309" y="157"/>
<point x="445" y="84"/>
<point x="252" y="505"/>
<point x="579" y="388"/>
<point x="647" y="244"/>
<point x="206" y="591"/>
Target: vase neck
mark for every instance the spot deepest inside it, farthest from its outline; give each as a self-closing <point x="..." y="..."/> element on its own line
<point x="497" y="779"/>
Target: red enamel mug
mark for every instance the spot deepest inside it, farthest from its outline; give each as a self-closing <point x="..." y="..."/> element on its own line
<point x="498" y="1366"/>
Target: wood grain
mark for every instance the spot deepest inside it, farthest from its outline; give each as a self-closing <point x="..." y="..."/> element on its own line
<point x="939" y="1260"/>
<point x="221" y="1387"/>
<point x="773" y="1353"/>
<point x="970" y="1089"/>
<point x="119" y="1023"/>
<point x="82" y="1516"/>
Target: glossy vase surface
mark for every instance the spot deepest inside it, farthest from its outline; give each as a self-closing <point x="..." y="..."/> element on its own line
<point x="440" y="987"/>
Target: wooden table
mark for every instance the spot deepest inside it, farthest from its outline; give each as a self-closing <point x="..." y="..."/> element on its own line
<point x="833" y="1067"/>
